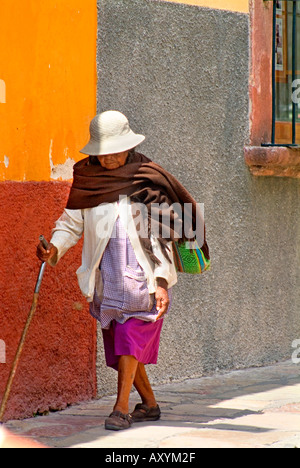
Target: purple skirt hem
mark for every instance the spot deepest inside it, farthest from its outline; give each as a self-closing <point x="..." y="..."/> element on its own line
<point x="133" y="338"/>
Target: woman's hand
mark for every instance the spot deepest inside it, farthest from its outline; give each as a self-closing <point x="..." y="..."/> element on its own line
<point x="162" y="297"/>
<point x="46" y="254"/>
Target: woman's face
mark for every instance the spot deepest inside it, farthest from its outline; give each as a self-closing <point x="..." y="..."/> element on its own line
<point x="113" y="161"/>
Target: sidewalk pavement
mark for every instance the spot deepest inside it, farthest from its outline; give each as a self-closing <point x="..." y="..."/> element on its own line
<point x="252" y="408"/>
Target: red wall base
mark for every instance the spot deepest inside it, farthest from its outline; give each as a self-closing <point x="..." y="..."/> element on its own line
<point x="57" y="366"/>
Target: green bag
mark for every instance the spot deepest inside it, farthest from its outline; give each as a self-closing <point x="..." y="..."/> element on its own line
<point x="190" y="260"/>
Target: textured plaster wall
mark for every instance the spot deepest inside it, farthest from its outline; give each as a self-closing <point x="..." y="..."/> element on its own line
<point x="181" y="75"/>
<point x="57" y="365"/>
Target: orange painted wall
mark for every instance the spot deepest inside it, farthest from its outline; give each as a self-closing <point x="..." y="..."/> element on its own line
<point x="231" y="5"/>
<point x="48" y="73"/>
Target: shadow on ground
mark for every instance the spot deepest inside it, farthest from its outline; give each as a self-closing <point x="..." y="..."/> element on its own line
<point x="195" y="412"/>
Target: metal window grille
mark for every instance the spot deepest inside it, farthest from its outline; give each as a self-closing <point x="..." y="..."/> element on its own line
<point x="292" y="105"/>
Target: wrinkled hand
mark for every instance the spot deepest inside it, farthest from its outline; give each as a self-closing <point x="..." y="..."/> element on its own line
<point x="46" y="254"/>
<point x="162" y="298"/>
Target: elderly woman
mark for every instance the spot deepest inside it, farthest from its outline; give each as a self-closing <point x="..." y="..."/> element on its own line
<point x="128" y="269"/>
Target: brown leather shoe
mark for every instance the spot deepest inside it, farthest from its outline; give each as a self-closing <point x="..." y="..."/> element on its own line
<point x="118" y="421"/>
<point x="143" y="413"/>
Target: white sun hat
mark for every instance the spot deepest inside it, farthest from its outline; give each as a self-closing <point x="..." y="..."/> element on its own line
<point x="110" y="133"/>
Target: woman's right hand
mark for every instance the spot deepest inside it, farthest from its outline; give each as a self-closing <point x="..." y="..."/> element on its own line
<point x="46" y="254"/>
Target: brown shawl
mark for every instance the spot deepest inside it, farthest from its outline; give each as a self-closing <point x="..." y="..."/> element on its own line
<point x="145" y="182"/>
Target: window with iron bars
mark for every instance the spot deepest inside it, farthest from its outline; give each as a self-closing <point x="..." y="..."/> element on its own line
<point x="286" y="74"/>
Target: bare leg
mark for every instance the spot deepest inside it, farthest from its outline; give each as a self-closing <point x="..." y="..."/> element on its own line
<point x="142" y="384"/>
<point x="126" y="375"/>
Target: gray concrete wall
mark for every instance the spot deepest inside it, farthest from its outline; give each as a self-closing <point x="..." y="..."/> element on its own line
<point x="181" y="74"/>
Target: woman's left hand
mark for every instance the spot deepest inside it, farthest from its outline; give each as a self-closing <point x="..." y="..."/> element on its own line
<point x="162" y="298"/>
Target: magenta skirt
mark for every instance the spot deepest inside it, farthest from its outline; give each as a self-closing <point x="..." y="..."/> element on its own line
<point x="133" y="338"/>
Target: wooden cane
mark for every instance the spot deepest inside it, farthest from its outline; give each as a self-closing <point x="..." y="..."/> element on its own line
<point x="23" y="337"/>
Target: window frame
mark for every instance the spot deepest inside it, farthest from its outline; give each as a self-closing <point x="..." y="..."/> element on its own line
<point x="292" y="127"/>
<point x="263" y="160"/>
